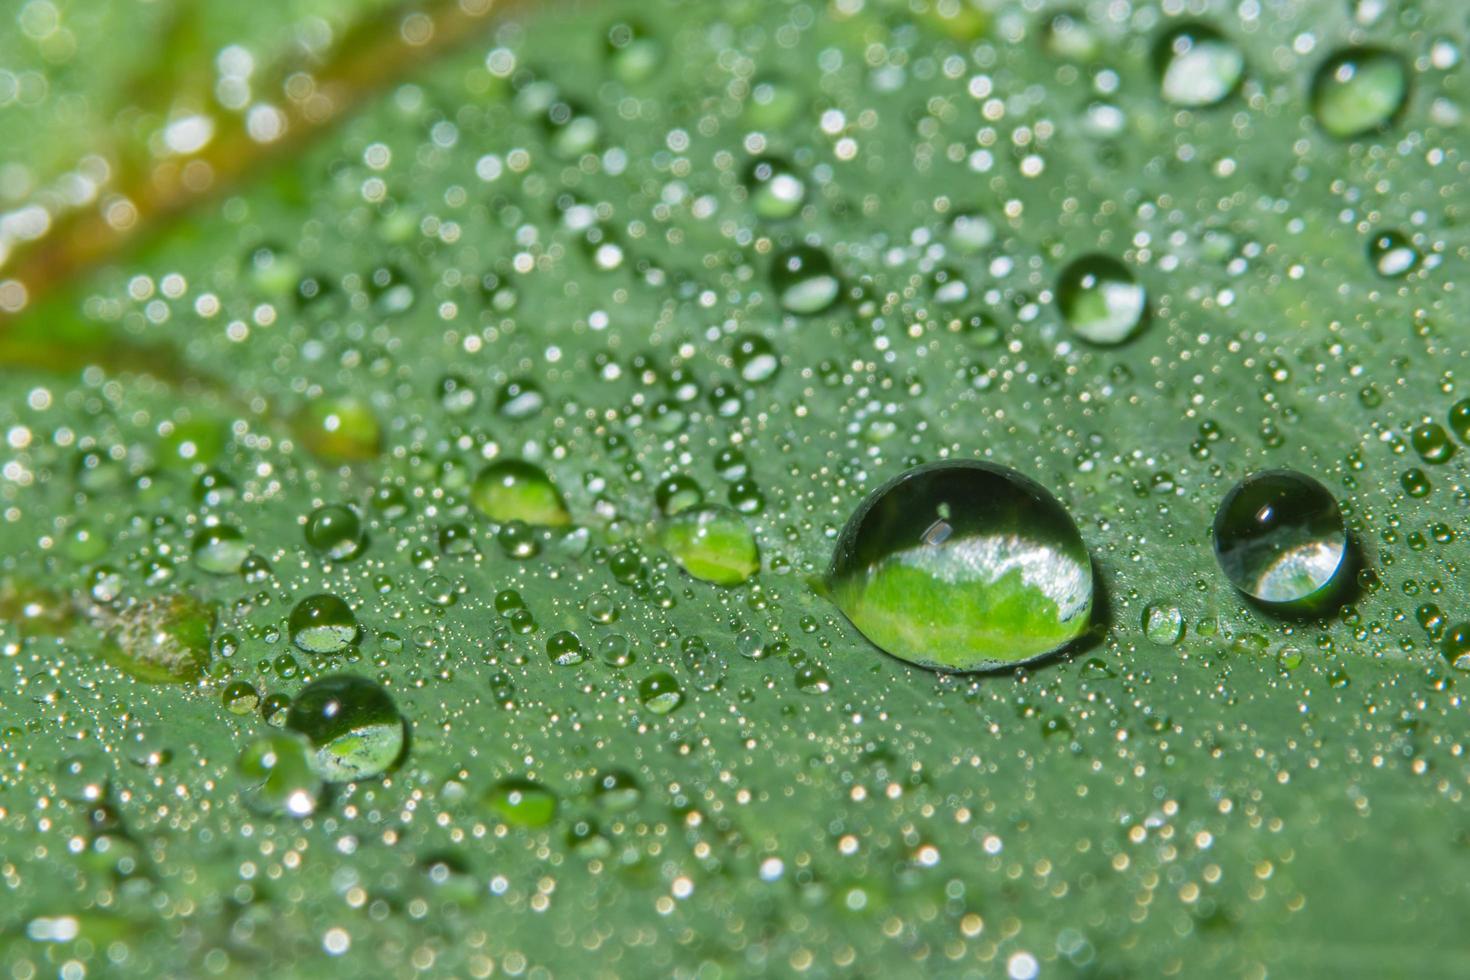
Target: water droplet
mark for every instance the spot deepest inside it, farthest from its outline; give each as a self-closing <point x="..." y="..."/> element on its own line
<point x="963" y="565"/>
<point x="1457" y="646"/>
<point x="280" y="775"/>
<point x="353" y="726"/>
<point x="1280" y="538"/>
<point x="633" y="53"/>
<point x="812" y="679"/>
<point x="335" y="531"/>
<point x="616" y="650"/>
<point x="240" y="698"/>
<point x="805" y="280"/>
<point x="776" y="189"/>
<point x="565" y="649"/>
<point x="677" y="494"/>
<point x="713" y="545"/>
<point x="660" y="693"/>
<point x="456" y="395"/>
<point x="1197" y="66"/>
<point x="521" y="803"/>
<point x="1432" y="442"/>
<point x="617" y="790"/>
<point x="1100" y="300"/>
<point x="755" y="358"/>
<point x="339" y="430"/>
<point x="515" y="490"/>
<point x="518" y="540"/>
<point x="1163" y="624"/>
<point x="773" y="102"/>
<point x="1069" y="36"/>
<point x="971" y="232"/>
<point x="322" y="623"/>
<point x="1393" y="255"/>
<point x="706" y="666"/>
<point x="519" y="398"/>
<point x="220" y="549"/>
<point x="1359" y="90"/>
<point x="162" y="639"/>
<point x="1459" y="419"/>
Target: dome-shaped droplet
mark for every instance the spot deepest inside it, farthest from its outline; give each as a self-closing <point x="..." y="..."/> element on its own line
<point x="1100" y="300"/>
<point x="755" y="358"/>
<point x="335" y="531"/>
<point x="162" y="639"/>
<point x="1069" y="36"/>
<point x="515" y="490"/>
<point x="220" y="549"/>
<point x="963" y="565"/>
<point x="339" y="430"/>
<point x="354" y="727"/>
<point x="776" y="189"/>
<point x="805" y="280"/>
<point x="971" y="232"/>
<point x="278" y="770"/>
<point x="1280" y="538"/>
<point x="712" y="544"/>
<point x="521" y="803"/>
<point x="1197" y="66"/>
<point x="322" y="624"/>
<point x="1359" y="90"/>
<point x="1393" y="255"/>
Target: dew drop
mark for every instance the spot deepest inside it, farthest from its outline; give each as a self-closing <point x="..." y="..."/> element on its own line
<point x="353" y="726"/>
<point x="322" y="623"/>
<point x="278" y="771"/>
<point x="1358" y="91"/>
<point x="1280" y="538"/>
<point x="515" y="490"/>
<point x="1197" y="66"/>
<point x="1392" y="254"/>
<point x="1163" y="624"/>
<point x="776" y="189"/>
<point x="1100" y="300"/>
<point x="220" y="549"/>
<point x="565" y="649"/>
<point x="162" y="639"/>
<point x="660" y="693"/>
<point x="963" y="565"/>
<point x="335" y="531"/>
<point x="713" y="545"/>
<point x="521" y="803"/>
<point x="805" y="280"/>
<point x="339" y="430"/>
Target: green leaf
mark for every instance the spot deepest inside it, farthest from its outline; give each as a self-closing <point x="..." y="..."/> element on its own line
<point x="546" y="245"/>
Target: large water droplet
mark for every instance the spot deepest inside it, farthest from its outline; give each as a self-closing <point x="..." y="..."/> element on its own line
<point x="963" y="565"/>
<point x="805" y="280"/>
<point x="1280" y="538"/>
<point x="220" y="549"/>
<point x="162" y="639"/>
<point x="776" y="189"/>
<point x="1359" y="90"/>
<point x="712" y="544"/>
<point x="280" y="775"/>
<point x="1393" y="255"/>
<point x="1100" y="300"/>
<point x="515" y="490"/>
<point x="339" y="430"/>
<point x="521" y="803"/>
<point x="1197" y="66"/>
<point x="335" y="531"/>
<point x="354" y="727"/>
<point x="322" y="624"/>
